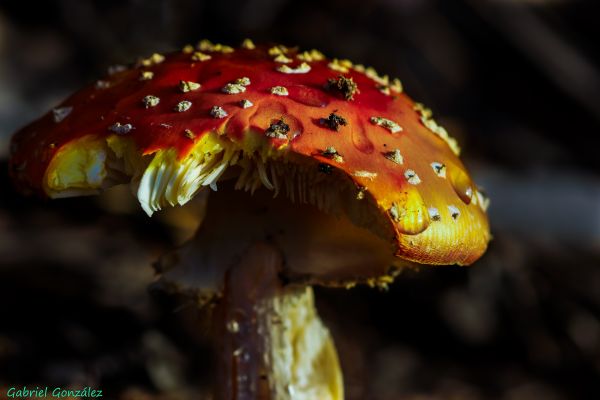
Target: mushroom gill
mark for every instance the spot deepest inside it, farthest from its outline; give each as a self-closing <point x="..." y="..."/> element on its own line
<point x="255" y="196"/>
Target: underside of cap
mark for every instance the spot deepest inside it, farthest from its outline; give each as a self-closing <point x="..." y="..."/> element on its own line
<point x="320" y="132"/>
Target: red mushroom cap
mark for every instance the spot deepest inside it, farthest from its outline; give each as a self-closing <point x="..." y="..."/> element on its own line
<point x="210" y="107"/>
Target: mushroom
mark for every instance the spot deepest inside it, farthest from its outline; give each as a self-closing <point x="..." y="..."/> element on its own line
<point x="327" y="174"/>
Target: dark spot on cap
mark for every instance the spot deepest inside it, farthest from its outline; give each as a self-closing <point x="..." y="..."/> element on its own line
<point x="334" y="121"/>
<point x="188" y="133"/>
<point x="344" y="86"/>
<point x="278" y="129"/>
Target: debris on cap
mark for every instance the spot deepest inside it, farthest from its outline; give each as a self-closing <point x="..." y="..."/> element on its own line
<point x="187" y="49"/>
<point x="300" y="69"/>
<point x="331" y="153"/>
<point x="188" y="86"/>
<point x="248" y="44"/>
<point x="412" y="177"/>
<point x="189" y="134"/>
<point x="439" y="169"/>
<point x="154" y="59"/>
<point x="150" y="101"/>
<point x="310" y="56"/>
<point x="395" y="156"/>
<point x="245" y="103"/>
<point x="334" y="121"/>
<point x="218" y="112"/>
<point x="60" y="113"/>
<point x="278" y="50"/>
<point x="102" y="84"/>
<point x="343" y="66"/>
<point x="454" y="211"/>
<point x="115" y="69"/>
<point x="207" y="45"/>
<point x="278" y="130"/>
<point x="146" y="75"/>
<point x="365" y="174"/>
<point x="233" y="88"/>
<point x="279" y="91"/>
<point x="434" y="214"/>
<point x="200" y="56"/>
<point x="183" y="106"/>
<point x="345" y="86"/>
<point x="386" y="123"/>
<point x="281" y="58"/>
<point x="120" y="129"/>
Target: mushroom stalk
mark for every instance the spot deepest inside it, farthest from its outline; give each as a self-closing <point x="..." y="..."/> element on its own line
<point x="272" y="344"/>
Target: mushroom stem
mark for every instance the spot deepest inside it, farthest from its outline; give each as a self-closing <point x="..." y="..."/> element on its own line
<point x="272" y="344"/>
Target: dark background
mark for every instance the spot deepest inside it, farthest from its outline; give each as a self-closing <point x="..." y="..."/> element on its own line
<point x="516" y="82"/>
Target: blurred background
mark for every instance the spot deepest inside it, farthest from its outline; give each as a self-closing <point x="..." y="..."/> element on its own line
<point x="517" y="82"/>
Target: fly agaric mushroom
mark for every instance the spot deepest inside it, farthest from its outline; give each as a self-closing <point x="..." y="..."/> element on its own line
<point x="376" y="184"/>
